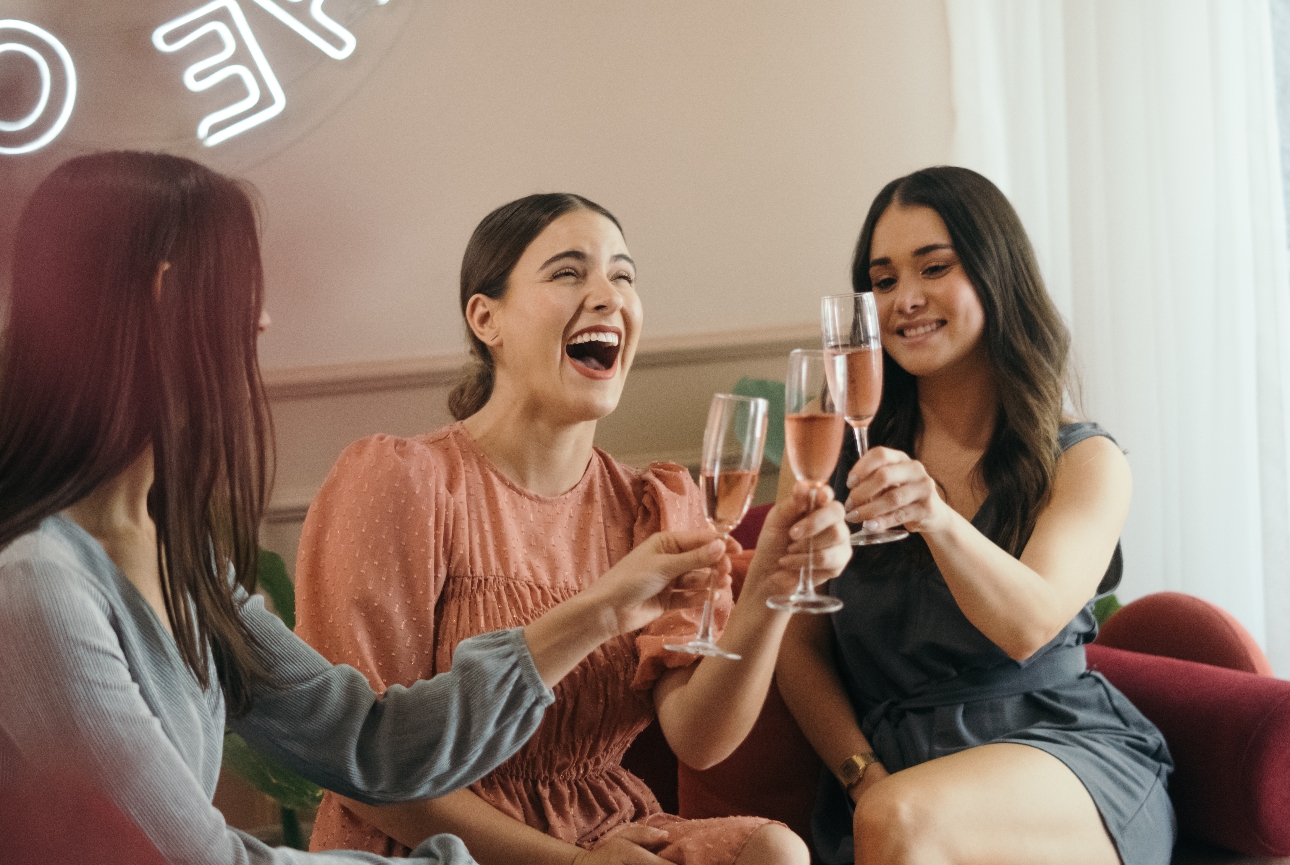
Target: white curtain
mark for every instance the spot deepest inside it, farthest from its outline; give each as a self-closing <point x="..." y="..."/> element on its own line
<point x="1138" y="140"/>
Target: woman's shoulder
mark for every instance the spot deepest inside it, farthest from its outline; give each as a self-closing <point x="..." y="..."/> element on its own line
<point x="659" y="476"/>
<point x="383" y="458"/>
<point x="50" y="573"/>
<point x="382" y="449"/>
<point x="1073" y="431"/>
<point x="663" y="493"/>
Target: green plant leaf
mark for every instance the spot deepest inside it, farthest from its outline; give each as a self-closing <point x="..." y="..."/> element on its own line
<point x="1104" y="608"/>
<point x="773" y="393"/>
<point x="271" y="575"/>
<point x="289" y="789"/>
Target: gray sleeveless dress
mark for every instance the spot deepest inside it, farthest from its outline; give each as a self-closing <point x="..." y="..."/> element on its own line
<point x="927" y="683"/>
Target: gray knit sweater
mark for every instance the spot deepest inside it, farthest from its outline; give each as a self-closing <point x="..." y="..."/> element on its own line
<point x="91" y="683"/>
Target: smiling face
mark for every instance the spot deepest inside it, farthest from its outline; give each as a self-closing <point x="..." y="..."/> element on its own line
<point x="931" y="317"/>
<point x="564" y="333"/>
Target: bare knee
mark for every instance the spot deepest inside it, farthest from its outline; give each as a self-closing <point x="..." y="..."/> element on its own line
<point x="895" y="825"/>
<point x="774" y="844"/>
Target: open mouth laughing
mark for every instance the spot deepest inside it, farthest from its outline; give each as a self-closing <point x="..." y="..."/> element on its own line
<point x="594" y="350"/>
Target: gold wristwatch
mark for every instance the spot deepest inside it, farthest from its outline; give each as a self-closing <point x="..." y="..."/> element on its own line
<point x="853" y="768"/>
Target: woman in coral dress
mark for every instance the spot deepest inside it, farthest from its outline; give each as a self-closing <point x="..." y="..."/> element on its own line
<point x="414" y="545"/>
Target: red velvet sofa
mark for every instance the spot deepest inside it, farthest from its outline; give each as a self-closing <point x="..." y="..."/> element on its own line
<point x="1188" y="665"/>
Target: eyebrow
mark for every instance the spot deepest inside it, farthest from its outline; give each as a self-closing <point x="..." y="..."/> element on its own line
<point x="918" y="253"/>
<point x="582" y="256"/>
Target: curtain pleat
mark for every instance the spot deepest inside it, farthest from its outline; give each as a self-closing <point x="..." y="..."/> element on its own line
<point x="1138" y="140"/>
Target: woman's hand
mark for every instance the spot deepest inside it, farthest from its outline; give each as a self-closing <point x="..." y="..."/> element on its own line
<point x="630" y="846"/>
<point x="629" y="596"/>
<point x="888" y="489"/>
<point x="631" y="593"/>
<point x="795" y="532"/>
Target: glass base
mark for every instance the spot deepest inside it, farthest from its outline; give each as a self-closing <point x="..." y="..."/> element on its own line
<point x="701" y="647"/>
<point x="800" y="603"/>
<point x="862" y="538"/>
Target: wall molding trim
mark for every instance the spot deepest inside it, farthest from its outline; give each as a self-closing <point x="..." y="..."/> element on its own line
<point x="305" y="382"/>
<point x="318" y="410"/>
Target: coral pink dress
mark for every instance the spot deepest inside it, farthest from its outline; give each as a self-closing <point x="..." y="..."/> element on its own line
<point x="413" y="545"/>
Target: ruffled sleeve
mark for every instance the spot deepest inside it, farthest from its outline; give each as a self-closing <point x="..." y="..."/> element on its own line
<point x="670" y="501"/>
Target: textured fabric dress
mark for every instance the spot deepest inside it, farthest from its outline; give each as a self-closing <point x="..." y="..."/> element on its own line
<point x="927" y="683"/>
<point x="93" y="688"/>
<point x="413" y="545"/>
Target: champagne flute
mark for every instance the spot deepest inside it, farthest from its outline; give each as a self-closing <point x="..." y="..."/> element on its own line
<point x="851" y="335"/>
<point x="732" y="448"/>
<point x="813" y="430"/>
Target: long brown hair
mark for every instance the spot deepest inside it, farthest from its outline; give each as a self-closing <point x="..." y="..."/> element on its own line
<point x="496" y="245"/>
<point x="1025" y="339"/>
<point x="95" y="367"/>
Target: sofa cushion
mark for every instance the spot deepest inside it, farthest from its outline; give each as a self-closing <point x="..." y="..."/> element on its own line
<point x="1229" y="733"/>
<point x="1182" y="626"/>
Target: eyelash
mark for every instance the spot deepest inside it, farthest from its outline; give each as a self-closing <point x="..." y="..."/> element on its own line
<point x="631" y="280"/>
<point x="887" y="283"/>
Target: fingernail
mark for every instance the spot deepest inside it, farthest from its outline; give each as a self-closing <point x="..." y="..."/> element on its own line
<point x="871" y="525"/>
<point x="795" y="533"/>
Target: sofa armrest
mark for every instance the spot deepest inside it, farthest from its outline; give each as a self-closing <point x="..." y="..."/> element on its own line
<point x="1229" y="733"/>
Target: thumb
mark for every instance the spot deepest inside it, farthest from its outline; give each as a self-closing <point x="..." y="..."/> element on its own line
<point x="686" y="550"/>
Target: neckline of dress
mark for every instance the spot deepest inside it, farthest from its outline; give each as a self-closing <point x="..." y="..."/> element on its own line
<point x="458" y="431"/>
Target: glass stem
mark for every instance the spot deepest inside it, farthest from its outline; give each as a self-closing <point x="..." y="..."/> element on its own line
<point x="862" y="438"/>
<point x="806" y="577"/>
<point x="705" y="623"/>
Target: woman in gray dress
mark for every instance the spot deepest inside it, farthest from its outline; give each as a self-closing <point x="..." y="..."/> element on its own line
<point x="134" y="445"/>
<point x="949" y="696"/>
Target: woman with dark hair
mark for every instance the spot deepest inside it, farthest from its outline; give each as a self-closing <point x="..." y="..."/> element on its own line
<point x="134" y="454"/>
<point x="489" y="521"/>
<point x="950" y="695"/>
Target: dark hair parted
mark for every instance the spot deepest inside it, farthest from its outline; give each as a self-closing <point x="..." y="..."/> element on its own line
<point x="496" y="245"/>
<point x="1025" y="339"/>
<point x="96" y="366"/>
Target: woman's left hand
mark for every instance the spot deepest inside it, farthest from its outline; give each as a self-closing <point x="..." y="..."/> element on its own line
<point x="795" y="532"/>
<point x="889" y="488"/>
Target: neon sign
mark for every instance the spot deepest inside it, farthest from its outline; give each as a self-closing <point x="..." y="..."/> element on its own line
<point x="32" y="122"/>
<point x="197" y="84"/>
<point x="222" y="19"/>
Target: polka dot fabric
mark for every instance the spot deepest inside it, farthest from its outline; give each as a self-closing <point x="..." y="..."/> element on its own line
<point x="413" y="545"/>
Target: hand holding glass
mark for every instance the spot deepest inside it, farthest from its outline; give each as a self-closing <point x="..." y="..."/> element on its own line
<point x="813" y="430"/>
<point x="732" y="450"/>
<point x="850" y="326"/>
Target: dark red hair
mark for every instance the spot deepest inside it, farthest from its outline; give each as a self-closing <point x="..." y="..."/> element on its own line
<point x="96" y="366"/>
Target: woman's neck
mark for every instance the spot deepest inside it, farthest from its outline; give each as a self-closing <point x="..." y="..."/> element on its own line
<point x="541" y="454"/>
<point x="960" y="404"/>
<point x="116" y="515"/>
<point x="119" y="506"/>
